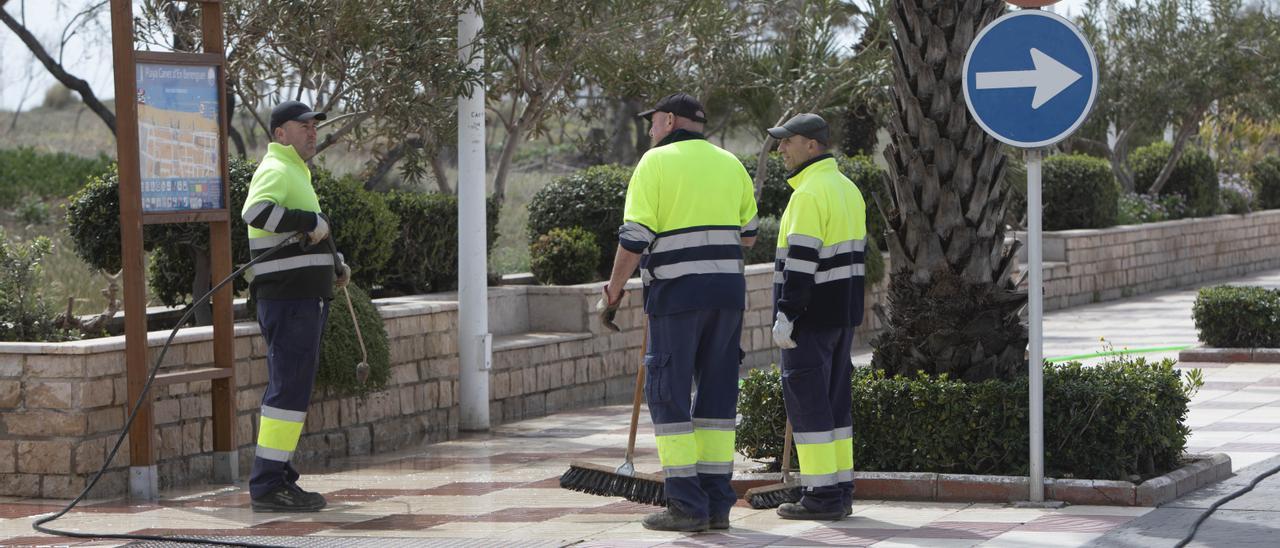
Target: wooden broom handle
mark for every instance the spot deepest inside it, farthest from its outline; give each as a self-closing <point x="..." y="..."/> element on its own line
<point x="786" y="454"/>
<point x="635" y="400"/>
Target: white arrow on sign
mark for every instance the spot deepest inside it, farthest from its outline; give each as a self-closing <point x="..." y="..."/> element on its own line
<point x="1049" y="78"/>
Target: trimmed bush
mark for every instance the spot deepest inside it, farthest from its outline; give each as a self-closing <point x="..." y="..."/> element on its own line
<point x="24" y="171"/>
<point x="1236" y="194"/>
<point x="426" y="248"/>
<point x="1238" y="317"/>
<point x="592" y="199"/>
<point x="564" y="257"/>
<point x="364" y="228"/>
<point x="1195" y="176"/>
<point x="1079" y="192"/>
<point x="774" y="191"/>
<point x="340" y="349"/>
<point x="1111" y="421"/>
<point x="1265" y="176"/>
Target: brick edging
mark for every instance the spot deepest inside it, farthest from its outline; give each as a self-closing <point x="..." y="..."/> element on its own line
<point x="926" y="486"/>
<point x="1230" y="355"/>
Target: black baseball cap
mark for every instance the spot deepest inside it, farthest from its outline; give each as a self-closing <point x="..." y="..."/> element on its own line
<point x="293" y="111"/>
<point x="806" y="125"/>
<point x="679" y="104"/>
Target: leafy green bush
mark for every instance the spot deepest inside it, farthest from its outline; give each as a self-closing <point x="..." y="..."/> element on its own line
<point x="426" y="248"/>
<point x="364" y="228"/>
<point x="24" y="171"/>
<point x="774" y="191"/>
<point x="25" y="315"/>
<point x="1136" y="209"/>
<point x="1195" y="176"/>
<point x="766" y="247"/>
<point x="340" y="349"/>
<point x="1265" y="176"/>
<point x="593" y="199"/>
<point x="1079" y="192"/>
<point x="33" y="211"/>
<point x="1238" y="317"/>
<point x="564" y="256"/>
<point x="1111" y="421"/>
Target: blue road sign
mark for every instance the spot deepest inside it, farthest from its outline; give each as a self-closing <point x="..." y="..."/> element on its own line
<point x="1030" y="78"/>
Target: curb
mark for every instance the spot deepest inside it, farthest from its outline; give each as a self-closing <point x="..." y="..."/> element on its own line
<point x="1230" y="355"/>
<point x="1201" y="470"/>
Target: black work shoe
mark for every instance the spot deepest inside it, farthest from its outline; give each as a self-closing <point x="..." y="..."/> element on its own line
<point x="285" y="498"/>
<point x="313" y="498"/>
<point x="720" y="522"/>
<point x="848" y="510"/>
<point x="671" y="520"/>
<point x="795" y="510"/>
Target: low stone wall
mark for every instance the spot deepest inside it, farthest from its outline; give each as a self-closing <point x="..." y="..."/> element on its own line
<point x="1088" y="266"/>
<point x="62" y="404"/>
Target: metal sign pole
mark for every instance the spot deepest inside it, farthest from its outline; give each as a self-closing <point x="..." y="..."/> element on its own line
<point x="1035" y="298"/>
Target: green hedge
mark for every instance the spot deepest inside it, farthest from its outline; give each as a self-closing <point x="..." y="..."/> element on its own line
<point x="426" y="247"/>
<point x="766" y="242"/>
<point x="1195" y="176"/>
<point x="340" y="349"/>
<point x="564" y="256"/>
<point x="1110" y="421"/>
<point x="1265" y="177"/>
<point x="364" y="228"/>
<point x="775" y="191"/>
<point x="1079" y="192"/>
<point x="27" y="172"/>
<point x="592" y="199"/>
<point x="1238" y="317"/>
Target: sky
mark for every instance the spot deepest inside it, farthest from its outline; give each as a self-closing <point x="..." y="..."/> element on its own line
<point x="23" y="80"/>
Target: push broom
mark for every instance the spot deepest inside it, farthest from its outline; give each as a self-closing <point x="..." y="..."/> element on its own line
<point x="623" y="481"/>
<point x="772" y="496"/>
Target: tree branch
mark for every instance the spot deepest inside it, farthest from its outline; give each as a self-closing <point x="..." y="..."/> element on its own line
<point x="72" y="82"/>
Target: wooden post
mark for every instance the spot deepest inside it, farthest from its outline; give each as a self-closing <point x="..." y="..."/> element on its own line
<point x="143" y="477"/>
<point x="226" y="467"/>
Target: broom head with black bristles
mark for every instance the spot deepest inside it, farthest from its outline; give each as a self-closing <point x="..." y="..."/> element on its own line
<point x="594" y="479"/>
<point x="773" y="496"/>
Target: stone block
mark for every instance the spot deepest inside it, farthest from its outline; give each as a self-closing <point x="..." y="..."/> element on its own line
<point x="166" y="411"/>
<point x="20" y="485"/>
<point x="1155" y="491"/>
<point x="104" y="365"/>
<point x="895" y="485"/>
<point x="44" y="457"/>
<point x="110" y="419"/>
<point x="359" y="440"/>
<point x="45" y="423"/>
<point x="42" y="394"/>
<point x="10" y="394"/>
<point x="54" y="366"/>
<point x="979" y="488"/>
<point x="1091" y="492"/>
<point x="11" y="365"/>
<point x="97" y="393"/>
<point x="192" y="442"/>
<point x="88" y="455"/>
<point x="200" y="353"/>
<point x="8" y="456"/>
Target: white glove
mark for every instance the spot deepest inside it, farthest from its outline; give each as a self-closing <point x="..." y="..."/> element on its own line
<point x="782" y="332"/>
<point x="320" y="232"/>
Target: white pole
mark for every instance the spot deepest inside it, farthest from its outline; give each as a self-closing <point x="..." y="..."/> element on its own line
<point x="473" y="299"/>
<point x="1036" y="350"/>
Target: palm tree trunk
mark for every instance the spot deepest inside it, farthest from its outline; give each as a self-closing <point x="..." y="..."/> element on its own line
<point x="953" y="305"/>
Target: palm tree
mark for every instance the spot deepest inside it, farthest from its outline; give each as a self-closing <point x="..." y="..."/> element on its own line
<point x="953" y="307"/>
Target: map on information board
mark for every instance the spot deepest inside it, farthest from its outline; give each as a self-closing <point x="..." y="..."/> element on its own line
<point x="178" y="145"/>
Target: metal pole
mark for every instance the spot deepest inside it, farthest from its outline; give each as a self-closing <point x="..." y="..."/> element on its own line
<point x="473" y="300"/>
<point x="1036" y="304"/>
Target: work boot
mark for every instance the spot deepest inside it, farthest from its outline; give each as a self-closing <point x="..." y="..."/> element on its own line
<point x="795" y="510"/>
<point x="720" y="522"/>
<point x="313" y="498"/>
<point x="672" y="520"/>
<point x="286" y="498"/>
<point x="848" y="510"/>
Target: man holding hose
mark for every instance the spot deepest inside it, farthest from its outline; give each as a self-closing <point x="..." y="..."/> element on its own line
<point x="292" y="289"/>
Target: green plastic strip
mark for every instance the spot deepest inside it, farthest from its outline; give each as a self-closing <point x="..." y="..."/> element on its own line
<point x="1119" y="352"/>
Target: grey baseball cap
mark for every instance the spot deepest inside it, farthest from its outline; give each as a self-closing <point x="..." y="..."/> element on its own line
<point x="806" y="125"/>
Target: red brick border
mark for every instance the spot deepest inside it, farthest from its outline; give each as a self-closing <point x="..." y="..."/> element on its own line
<point x="1230" y="355"/>
<point x="921" y="486"/>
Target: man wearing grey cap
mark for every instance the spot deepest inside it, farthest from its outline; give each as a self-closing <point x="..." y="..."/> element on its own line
<point x="817" y="293"/>
<point x="292" y="288"/>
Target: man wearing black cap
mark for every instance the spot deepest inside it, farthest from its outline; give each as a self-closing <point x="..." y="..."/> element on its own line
<point x="292" y="289"/>
<point x="817" y="292"/>
<point x="690" y="208"/>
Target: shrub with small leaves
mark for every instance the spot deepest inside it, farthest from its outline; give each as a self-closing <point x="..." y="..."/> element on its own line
<point x="1265" y="176"/>
<point x="1079" y="192"/>
<point x="935" y="424"/>
<point x="340" y="348"/>
<point x="33" y="211"/>
<point x="1194" y="176"/>
<point x="1136" y="209"/>
<point x="591" y="199"/>
<point x="1238" y="317"/>
<point x="426" y="246"/>
<point x="25" y="315"/>
<point x="564" y="256"/>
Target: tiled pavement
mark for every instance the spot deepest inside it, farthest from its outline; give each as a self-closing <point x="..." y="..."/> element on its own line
<point x="501" y="489"/>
